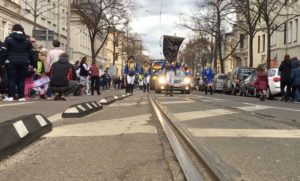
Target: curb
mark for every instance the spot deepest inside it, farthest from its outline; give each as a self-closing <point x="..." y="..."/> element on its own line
<point x="82" y="109"/>
<point x="19" y="132"/>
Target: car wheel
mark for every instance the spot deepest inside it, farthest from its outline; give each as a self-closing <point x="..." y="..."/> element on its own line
<point x="269" y="95"/>
<point x="188" y="91"/>
<point x="157" y="91"/>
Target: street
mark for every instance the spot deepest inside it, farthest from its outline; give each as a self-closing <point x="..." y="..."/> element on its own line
<point x="244" y="138"/>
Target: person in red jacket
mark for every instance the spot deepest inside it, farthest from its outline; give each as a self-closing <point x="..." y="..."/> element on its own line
<point x="94" y="78"/>
<point x="261" y="82"/>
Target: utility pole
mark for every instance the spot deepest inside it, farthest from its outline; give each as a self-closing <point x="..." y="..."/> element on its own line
<point x="68" y="26"/>
<point x="58" y="17"/>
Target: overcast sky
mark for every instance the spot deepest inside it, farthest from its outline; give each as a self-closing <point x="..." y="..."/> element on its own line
<point x="147" y="22"/>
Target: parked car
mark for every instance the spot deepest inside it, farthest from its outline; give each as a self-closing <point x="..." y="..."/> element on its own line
<point x="248" y="87"/>
<point x="182" y="83"/>
<point x="219" y="82"/>
<point x="240" y="74"/>
<point x="274" y="83"/>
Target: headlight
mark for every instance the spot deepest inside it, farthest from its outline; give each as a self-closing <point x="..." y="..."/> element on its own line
<point x="154" y="77"/>
<point x="161" y="80"/>
<point x="187" y="80"/>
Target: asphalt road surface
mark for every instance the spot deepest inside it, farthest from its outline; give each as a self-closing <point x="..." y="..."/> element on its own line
<point x="256" y="140"/>
<point x="244" y="137"/>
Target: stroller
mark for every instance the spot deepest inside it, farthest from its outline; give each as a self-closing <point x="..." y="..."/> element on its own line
<point x="3" y="81"/>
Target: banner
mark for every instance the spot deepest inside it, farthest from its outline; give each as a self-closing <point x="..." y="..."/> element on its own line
<point x="171" y="45"/>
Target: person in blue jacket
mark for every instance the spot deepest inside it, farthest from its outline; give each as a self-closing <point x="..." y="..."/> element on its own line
<point x="170" y="68"/>
<point x="131" y="69"/>
<point x="146" y="72"/>
<point x="295" y="79"/>
<point x="208" y="78"/>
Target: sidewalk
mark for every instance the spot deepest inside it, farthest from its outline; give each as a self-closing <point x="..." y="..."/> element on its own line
<point x="48" y="108"/>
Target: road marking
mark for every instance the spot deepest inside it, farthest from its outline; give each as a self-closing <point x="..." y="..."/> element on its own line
<point x="15" y="104"/>
<point x="21" y="129"/>
<point x="254" y="108"/>
<point x="41" y="120"/>
<point x="176" y="102"/>
<point x="103" y="101"/>
<point x="128" y="125"/>
<point x="247" y="133"/>
<point x="202" y="114"/>
<point x="57" y="117"/>
<point x="127" y="104"/>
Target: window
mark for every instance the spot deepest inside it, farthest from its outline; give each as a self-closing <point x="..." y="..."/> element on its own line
<point x="285" y="34"/>
<point x="290" y="32"/>
<point x="296" y="30"/>
<point x="258" y="45"/>
<point x="264" y="43"/>
<point x="4" y="30"/>
<point x="242" y="36"/>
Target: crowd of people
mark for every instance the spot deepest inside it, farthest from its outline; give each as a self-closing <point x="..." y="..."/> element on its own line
<point x="28" y="70"/>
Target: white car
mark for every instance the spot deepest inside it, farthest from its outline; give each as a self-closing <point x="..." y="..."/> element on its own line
<point x="219" y="82"/>
<point x="274" y="83"/>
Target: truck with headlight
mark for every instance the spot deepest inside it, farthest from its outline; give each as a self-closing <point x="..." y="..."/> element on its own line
<point x="182" y="83"/>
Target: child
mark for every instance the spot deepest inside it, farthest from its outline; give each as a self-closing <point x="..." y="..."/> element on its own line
<point x="261" y="82"/>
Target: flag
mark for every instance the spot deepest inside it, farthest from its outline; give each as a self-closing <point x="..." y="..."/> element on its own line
<point x="171" y="45"/>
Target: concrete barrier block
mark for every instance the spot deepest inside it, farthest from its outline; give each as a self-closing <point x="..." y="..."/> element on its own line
<point x="20" y="132"/>
<point x="82" y="109"/>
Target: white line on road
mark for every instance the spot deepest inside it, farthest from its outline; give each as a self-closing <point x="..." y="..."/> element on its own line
<point x="14" y="104"/>
<point x="55" y="117"/>
<point x="185" y="116"/>
<point x="127" y="104"/>
<point x="249" y="133"/>
<point x="128" y="125"/>
<point x="254" y="108"/>
<point x="176" y="102"/>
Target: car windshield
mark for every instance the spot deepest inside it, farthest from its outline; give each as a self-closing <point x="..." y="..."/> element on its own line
<point x="223" y="77"/>
<point x="245" y="72"/>
<point x="179" y="73"/>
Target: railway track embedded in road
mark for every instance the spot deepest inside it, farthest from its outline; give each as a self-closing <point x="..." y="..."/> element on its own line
<point x="196" y="165"/>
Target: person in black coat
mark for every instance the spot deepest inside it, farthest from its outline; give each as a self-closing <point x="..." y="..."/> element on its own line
<point x="63" y="77"/>
<point x="17" y="57"/>
<point x="285" y="70"/>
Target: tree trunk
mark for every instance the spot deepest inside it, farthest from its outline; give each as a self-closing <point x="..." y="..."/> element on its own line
<point x="250" y="51"/>
<point x="268" y="47"/>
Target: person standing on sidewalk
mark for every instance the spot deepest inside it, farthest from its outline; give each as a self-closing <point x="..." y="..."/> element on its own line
<point x="53" y="55"/>
<point x="208" y="78"/>
<point x="261" y="82"/>
<point x="295" y="79"/>
<point x="94" y="78"/>
<point x="285" y="71"/>
<point x="84" y="75"/>
<point x="17" y="56"/>
<point x="146" y="72"/>
<point x="131" y="69"/>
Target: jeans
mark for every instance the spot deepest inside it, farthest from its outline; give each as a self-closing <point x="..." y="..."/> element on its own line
<point x="284" y="84"/>
<point x="71" y="88"/>
<point x="95" y="84"/>
<point x="16" y="74"/>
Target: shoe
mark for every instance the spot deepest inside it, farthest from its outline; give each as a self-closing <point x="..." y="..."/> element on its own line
<point x="63" y="99"/>
<point x="8" y="99"/>
<point x="22" y="99"/>
<point x="57" y="97"/>
<point x="42" y="97"/>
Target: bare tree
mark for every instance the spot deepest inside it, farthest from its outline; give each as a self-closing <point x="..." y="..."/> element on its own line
<point x="247" y="21"/>
<point x="275" y="14"/>
<point x="213" y="22"/>
<point x="100" y="17"/>
<point x="38" y="7"/>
